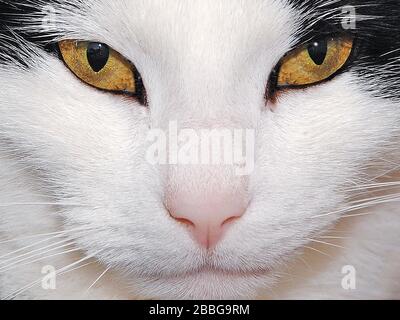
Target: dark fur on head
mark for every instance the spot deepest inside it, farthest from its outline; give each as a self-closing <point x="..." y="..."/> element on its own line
<point x="377" y="33"/>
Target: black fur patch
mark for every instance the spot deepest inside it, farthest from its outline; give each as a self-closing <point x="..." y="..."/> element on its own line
<point x="10" y="12"/>
<point x="377" y="34"/>
<point x="378" y="37"/>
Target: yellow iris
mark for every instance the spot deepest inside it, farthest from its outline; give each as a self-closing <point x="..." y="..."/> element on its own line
<point x="117" y="74"/>
<point x="299" y="68"/>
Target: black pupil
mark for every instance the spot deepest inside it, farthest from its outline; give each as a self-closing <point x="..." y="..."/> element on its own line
<point x="318" y="51"/>
<point x="98" y="55"/>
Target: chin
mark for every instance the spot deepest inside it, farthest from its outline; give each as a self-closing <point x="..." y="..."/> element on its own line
<point x="204" y="285"/>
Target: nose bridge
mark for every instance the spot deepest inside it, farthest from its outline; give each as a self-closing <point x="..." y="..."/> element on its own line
<point x="203" y="82"/>
<point x="207" y="186"/>
<point x="204" y="104"/>
<point x="204" y="87"/>
<point x="207" y="109"/>
<point x="204" y="180"/>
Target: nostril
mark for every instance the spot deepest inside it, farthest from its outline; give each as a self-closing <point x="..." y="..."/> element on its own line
<point x="230" y="221"/>
<point x="180" y="219"/>
<point x="184" y="221"/>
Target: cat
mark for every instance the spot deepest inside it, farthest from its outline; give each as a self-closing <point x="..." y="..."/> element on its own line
<point x="84" y="214"/>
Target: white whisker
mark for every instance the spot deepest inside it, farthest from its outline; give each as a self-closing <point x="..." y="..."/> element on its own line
<point x="97" y="280"/>
<point x="34" y="251"/>
<point x="326" y="243"/>
<point x="357" y="215"/>
<point x="18" y="264"/>
<point x="47" y="234"/>
<point x="372" y="186"/>
<point x="319" y="251"/>
<point x="333" y="237"/>
<point x="305" y="263"/>
<point x="59" y="272"/>
<point x="61" y="204"/>
<point x="362" y="205"/>
<point x="30" y="246"/>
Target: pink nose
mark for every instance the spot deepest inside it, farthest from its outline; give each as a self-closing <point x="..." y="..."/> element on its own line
<point x="207" y="217"/>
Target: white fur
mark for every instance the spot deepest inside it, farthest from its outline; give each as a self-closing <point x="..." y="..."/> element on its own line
<point x="204" y="64"/>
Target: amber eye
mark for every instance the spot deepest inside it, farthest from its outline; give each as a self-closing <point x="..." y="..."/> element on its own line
<point x="315" y="62"/>
<point x="99" y="66"/>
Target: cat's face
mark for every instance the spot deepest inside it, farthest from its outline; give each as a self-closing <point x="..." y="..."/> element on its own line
<point x="204" y="65"/>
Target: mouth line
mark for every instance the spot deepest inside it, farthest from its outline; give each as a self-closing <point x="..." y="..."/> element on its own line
<point x="220" y="272"/>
